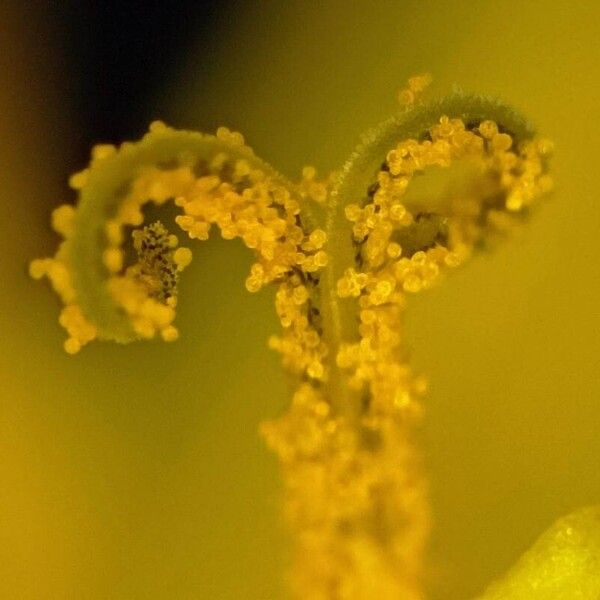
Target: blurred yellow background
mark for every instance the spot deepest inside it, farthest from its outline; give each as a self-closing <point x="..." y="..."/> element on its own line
<point x="137" y="472"/>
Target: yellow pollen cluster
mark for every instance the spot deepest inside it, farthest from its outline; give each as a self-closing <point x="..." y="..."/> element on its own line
<point x="296" y="300"/>
<point x="56" y="269"/>
<point x="403" y="249"/>
<point x="229" y="189"/>
<point x="301" y="345"/>
<point x="355" y="496"/>
<point x="243" y="202"/>
<point x="313" y="189"/>
<point x="415" y="88"/>
<point x="344" y="253"/>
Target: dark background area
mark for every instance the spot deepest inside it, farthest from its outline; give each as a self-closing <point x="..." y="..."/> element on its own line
<point x="119" y="56"/>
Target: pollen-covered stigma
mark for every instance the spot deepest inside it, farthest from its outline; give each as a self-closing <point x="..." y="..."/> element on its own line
<point x="344" y="253"/>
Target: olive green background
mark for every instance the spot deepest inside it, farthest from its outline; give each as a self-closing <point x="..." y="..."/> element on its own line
<point x="137" y="473"/>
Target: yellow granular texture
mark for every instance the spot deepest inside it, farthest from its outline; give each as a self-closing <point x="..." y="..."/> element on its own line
<point x="355" y="496"/>
<point x="415" y="88"/>
<point x="228" y="193"/>
<point x="313" y="189"/>
<point x="404" y="250"/>
<point x="56" y="269"/>
<point x="355" y="499"/>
